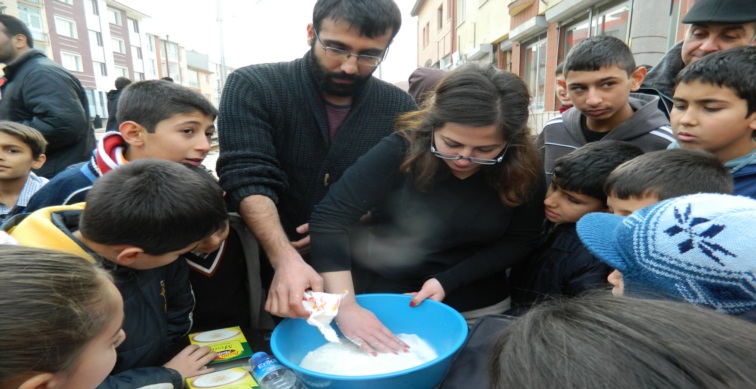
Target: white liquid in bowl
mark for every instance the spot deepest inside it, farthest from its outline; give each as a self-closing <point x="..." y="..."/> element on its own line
<point x="344" y="358"/>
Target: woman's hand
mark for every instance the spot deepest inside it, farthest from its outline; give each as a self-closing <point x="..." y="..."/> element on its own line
<point x="431" y="289"/>
<point x="362" y="328"/>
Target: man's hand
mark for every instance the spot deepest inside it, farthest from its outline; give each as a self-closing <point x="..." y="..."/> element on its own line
<point x="362" y="328"/>
<point x="431" y="289"/>
<point x="292" y="278"/>
<point x="303" y="245"/>
<point x="191" y="360"/>
<point x="292" y="275"/>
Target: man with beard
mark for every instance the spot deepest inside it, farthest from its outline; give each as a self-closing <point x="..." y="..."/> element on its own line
<point x="289" y="130"/>
<point x="41" y="94"/>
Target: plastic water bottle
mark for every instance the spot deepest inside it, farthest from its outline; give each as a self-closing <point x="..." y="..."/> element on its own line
<point x="271" y="374"/>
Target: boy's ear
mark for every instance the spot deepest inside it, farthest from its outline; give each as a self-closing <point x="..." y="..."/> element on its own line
<point x="637" y="77"/>
<point x="37" y="163"/>
<point x="39" y="381"/>
<point x="19" y="41"/>
<point x="310" y="34"/>
<point x="128" y="255"/>
<point x="132" y="133"/>
<point x="752" y="125"/>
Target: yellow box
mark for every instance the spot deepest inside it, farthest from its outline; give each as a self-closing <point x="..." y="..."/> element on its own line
<point x="233" y="378"/>
<point x="229" y="343"/>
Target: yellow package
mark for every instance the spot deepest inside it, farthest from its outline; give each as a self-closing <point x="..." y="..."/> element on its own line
<point x="228" y="343"/>
<point x="233" y="378"/>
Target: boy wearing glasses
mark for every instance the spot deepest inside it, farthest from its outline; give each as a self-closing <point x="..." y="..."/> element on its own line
<point x="289" y="130"/>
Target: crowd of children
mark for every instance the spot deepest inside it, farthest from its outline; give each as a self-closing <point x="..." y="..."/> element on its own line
<point x="634" y="201"/>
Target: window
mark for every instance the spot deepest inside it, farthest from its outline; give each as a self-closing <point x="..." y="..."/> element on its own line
<point x="122" y="71"/>
<point x="100" y="68"/>
<point x="71" y="61"/>
<point x="193" y="78"/>
<point x="674" y="23"/>
<point x="118" y="45"/>
<point x="92" y="7"/>
<point x="172" y="52"/>
<point x="612" y="21"/>
<point x="151" y="43"/>
<point x="153" y="67"/>
<point x="33" y="19"/>
<point x="426" y="36"/>
<point x="534" y="66"/>
<point x="139" y="76"/>
<point x="138" y="51"/>
<point x="461" y="8"/>
<point x="96" y="37"/>
<point x="608" y="20"/>
<point x="134" y="25"/>
<point x="114" y="16"/>
<point x="66" y="27"/>
<point x="440" y="17"/>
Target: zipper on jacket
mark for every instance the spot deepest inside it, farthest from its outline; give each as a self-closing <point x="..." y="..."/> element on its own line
<point x="326" y="178"/>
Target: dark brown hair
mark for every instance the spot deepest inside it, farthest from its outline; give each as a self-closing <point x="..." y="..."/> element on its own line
<point x="601" y="341"/>
<point x="475" y="95"/>
<point x="30" y="136"/>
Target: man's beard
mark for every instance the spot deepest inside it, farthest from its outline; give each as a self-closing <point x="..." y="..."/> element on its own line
<point x="329" y="86"/>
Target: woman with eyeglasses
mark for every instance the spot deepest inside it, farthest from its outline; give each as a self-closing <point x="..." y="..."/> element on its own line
<point x="440" y="209"/>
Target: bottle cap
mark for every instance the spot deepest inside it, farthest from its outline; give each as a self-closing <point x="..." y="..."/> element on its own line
<point x="257" y="356"/>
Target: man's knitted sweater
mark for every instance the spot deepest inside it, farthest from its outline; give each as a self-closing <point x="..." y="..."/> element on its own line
<point x="273" y="133"/>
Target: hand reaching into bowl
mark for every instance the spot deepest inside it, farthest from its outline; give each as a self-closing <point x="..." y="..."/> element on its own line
<point x="363" y="328"/>
<point x="431" y="289"/>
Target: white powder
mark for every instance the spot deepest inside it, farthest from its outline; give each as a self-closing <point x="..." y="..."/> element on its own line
<point x="344" y="358"/>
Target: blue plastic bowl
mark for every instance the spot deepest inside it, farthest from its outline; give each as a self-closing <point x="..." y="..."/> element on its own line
<point x="441" y="326"/>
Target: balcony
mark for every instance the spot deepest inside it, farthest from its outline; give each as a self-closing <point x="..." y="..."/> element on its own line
<point x="517" y="6"/>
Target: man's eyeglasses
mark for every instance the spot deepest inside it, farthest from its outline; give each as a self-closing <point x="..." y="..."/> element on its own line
<point x="344" y="55"/>
<point x="455" y="157"/>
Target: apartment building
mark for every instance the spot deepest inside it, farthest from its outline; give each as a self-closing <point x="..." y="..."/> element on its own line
<point x="101" y="40"/>
<point x="200" y="75"/>
<point x="530" y="37"/>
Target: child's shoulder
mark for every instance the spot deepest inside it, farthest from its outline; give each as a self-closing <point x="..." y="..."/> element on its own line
<point x="67" y="187"/>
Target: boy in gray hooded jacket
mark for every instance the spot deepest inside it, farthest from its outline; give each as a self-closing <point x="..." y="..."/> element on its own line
<point x="600" y="74"/>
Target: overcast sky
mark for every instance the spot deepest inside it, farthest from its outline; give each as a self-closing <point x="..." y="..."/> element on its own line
<point x="259" y="31"/>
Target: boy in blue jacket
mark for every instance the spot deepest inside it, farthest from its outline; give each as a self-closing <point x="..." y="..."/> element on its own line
<point x="136" y="222"/>
<point x="715" y="110"/>
<point x="561" y="265"/>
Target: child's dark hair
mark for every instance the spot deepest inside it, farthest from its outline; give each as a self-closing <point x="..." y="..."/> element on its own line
<point x="122" y="82"/>
<point x="14" y="26"/>
<point x="53" y="304"/>
<point x="152" y="101"/>
<point x="156" y="205"/>
<point x="669" y="173"/>
<point x="30" y="136"/>
<point x="559" y="69"/>
<point x="601" y="341"/>
<point x="732" y="68"/>
<point x="371" y="18"/>
<point x="594" y="53"/>
<point x="585" y="170"/>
